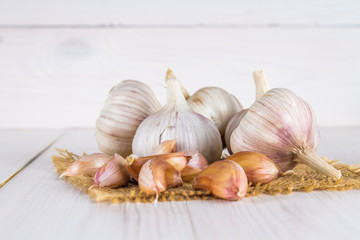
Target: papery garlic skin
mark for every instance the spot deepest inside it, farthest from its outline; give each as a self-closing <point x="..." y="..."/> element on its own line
<point x="134" y="163"/>
<point x="177" y="120"/>
<point x="224" y="179"/>
<point x="87" y="165"/>
<point x="281" y="126"/>
<point x="216" y="104"/>
<point x="127" y="105"/>
<point x="164" y="147"/>
<point x="196" y="163"/>
<point x="231" y="126"/>
<point x="113" y="174"/>
<point x="258" y="168"/>
<point x="157" y="175"/>
<point x="261" y="86"/>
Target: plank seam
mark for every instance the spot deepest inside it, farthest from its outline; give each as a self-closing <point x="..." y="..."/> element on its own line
<point x="32" y="159"/>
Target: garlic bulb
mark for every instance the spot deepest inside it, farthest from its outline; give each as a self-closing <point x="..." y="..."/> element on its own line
<point x="261" y="86"/>
<point x="214" y="103"/>
<point x="177" y="120"/>
<point x="128" y="104"/>
<point x="231" y="126"/>
<point x="281" y="126"/>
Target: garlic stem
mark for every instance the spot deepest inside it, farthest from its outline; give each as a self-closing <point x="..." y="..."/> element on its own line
<point x="261" y="83"/>
<point x="171" y="75"/>
<point x="309" y="157"/>
<point x="175" y="96"/>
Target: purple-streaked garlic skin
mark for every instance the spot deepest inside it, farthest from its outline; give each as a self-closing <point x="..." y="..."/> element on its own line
<point x="231" y="126"/>
<point x="127" y="105"/>
<point x="196" y="163"/>
<point x="87" y="165"/>
<point x="216" y="104"/>
<point x="113" y="174"/>
<point x="276" y="125"/>
<point x="177" y="120"/>
<point x="158" y="175"/>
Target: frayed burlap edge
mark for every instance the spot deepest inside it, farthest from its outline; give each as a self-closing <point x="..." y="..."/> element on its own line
<point x="301" y="178"/>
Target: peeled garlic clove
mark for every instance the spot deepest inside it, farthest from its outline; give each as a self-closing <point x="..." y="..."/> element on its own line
<point x="128" y="104"/>
<point x="177" y="120"/>
<point x="258" y="168"/>
<point x="281" y="126"/>
<point x="216" y="104"/>
<point x="167" y="146"/>
<point x="113" y="174"/>
<point x="87" y="165"/>
<point x="134" y="163"/>
<point x="196" y="163"/>
<point x="224" y="179"/>
<point x="157" y="175"/>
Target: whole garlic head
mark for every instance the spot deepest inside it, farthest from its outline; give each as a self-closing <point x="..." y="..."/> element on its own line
<point x="281" y="126"/>
<point x="216" y="104"/>
<point x="177" y="120"/>
<point x="212" y="102"/>
<point x="128" y="104"/>
<point x="261" y="86"/>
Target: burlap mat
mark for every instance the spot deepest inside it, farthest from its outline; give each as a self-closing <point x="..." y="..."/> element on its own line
<point x="301" y="178"/>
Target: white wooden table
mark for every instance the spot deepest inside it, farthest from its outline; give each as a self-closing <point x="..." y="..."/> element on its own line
<point x="59" y="58"/>
<point x="35" y="204"/>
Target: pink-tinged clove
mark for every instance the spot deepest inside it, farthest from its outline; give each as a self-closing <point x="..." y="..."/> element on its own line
<point x="224" y="179"/>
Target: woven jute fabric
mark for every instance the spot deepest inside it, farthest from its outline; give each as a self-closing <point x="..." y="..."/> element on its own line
<point x="301" y="178"/>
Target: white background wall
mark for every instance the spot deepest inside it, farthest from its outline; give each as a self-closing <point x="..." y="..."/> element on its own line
<point x="58" y="59"/>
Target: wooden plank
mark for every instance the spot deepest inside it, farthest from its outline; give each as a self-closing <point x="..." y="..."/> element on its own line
<point x="20" y="147"/>
<point x="48" y="207"/>
<point x="73" y="69"/>
<point x="161" y="12"/>
<point x="40" y="206"/>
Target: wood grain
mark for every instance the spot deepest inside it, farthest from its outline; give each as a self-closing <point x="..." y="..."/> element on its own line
<point x="61" y="77"/>
<point x="18" y="147"/>
<point x="40" y="206"/>
<point x="113" y="13"/>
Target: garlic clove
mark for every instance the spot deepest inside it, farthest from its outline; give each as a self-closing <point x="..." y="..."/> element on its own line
<point x="167" y="146"/>
<point x="134" y="163"/>
<point x="158" y="175"/>
<point x="112" y="174"/>
<point x="281" y="126"/>
<point x="127" y="105"/>
<point x="195" y="164"/>
<point x="177" y="120"/>
<point x="87" y="165"/>
<point x="258" y="168"/>
<point x="224" y="179"/>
